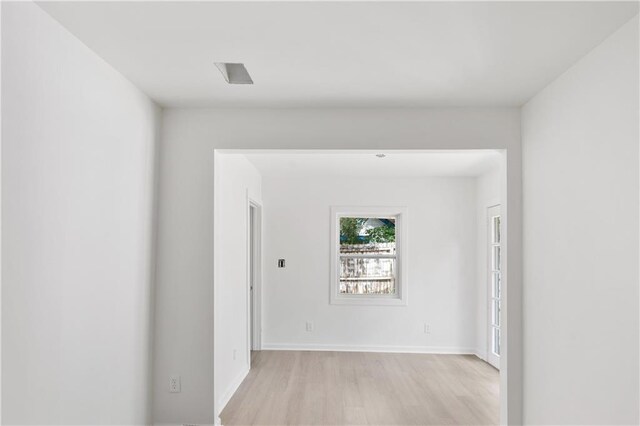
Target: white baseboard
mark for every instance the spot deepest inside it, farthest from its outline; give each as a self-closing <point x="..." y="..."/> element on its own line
<point x="233" y="387"/>
<point x="183" y="424"/>
<point x="481" y="355"/>
<point x="364" y="348"/>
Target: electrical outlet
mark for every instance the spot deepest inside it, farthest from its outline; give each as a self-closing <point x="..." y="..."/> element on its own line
<point x="309" y="326"/>
<point x="174" y="384"/>
<point x="427" y="328"/>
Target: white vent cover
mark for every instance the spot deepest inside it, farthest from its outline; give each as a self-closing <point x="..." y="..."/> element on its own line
<point x="234" y="73"/>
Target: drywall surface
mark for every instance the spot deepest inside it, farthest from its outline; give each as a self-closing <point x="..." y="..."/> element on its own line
<point x="580" y="182"/>
<point x="185" y="250"/>
<point x="488" y="194"/>
<point x="188" y="310"/>
<point x="78" y="148"/>
<point x="440" y="259"/>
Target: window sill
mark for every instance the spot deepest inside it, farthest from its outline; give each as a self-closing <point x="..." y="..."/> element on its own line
<point x="368" y="300"/>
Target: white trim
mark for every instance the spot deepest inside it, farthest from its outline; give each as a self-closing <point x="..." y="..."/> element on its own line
<point x="185" y="424"/>
<point x="233" y="387"/>
<point x="401" y="244"/>
<point x="364" y="348"/>
<point x="257" y="292"/>
<point x="216" y="275"/>
<point x="254" y="319"/>
<point x="248" y="257"/>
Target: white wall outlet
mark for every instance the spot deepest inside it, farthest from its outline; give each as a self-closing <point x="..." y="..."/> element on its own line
<point x="309" y="325"/>
<point x="174" y="384"/>
<point x="427" y="328"/>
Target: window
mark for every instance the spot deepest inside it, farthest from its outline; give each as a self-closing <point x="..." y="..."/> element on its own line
<point x="366" y="263"/>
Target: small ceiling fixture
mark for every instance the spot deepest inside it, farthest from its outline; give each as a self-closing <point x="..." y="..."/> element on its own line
<point x="380" y="155"/>
<point x="234" y="73"/>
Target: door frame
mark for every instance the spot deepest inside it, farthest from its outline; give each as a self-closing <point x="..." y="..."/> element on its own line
<point x="254" y="263"/>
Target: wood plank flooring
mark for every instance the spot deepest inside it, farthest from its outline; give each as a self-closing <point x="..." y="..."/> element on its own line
<point x="356" y="388"/>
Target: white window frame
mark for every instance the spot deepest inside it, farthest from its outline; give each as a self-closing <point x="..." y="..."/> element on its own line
<point x="401" y="296"/>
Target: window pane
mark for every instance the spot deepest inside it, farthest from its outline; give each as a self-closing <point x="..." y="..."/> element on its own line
<point x="367" y="275"/>
<point x="496" y="229"/>
<point x="367" y="235"/>
<point x="496" y="284"/>
<point x="496" y="341"/>
<point x="496" y="258"/>
<point x="496" y="312"/>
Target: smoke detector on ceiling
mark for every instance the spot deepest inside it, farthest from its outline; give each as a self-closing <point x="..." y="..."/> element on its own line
<point x="234" y="73"/>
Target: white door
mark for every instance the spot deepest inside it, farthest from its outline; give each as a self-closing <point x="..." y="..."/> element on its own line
<point x="495" y="285"/>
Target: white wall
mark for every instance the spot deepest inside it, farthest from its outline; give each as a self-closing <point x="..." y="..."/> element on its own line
<point x="580" y="181"/>
<point x="78" y="144"/>
<point x="488" y="194"/>
<point x="185" y="273"/>
<point x="441" y="261"/>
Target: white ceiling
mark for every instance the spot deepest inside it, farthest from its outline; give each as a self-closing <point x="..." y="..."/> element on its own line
<point x="365" y="164"/>
<point x="342" y="54"/>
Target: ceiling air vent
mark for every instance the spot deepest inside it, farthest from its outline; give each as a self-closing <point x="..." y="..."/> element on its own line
<point x="234" y="73"/>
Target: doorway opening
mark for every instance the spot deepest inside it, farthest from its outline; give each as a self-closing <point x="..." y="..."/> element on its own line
<point x="356" y="219"/>
<point x="254" y="276"/>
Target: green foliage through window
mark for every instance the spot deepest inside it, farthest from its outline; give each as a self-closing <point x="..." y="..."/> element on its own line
<point x="351" y="231"/>
<point x="350" y="228"/>
<point x="382" y="234"/>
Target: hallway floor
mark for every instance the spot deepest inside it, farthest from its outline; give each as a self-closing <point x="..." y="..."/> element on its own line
<point x="334" y="388"/>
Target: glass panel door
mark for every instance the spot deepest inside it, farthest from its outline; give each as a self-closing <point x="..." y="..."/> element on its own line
<point x="495" y="285"/>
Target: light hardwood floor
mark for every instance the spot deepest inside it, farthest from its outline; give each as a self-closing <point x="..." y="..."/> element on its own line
<point x="336" y="388"/>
